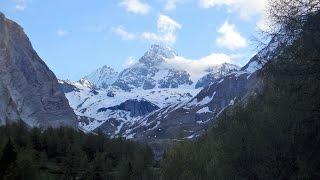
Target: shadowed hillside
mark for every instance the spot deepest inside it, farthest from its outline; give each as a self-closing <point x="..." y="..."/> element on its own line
<point x="271" y="136"/>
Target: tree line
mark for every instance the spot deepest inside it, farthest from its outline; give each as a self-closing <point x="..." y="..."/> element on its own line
<point x="65" y="153"/>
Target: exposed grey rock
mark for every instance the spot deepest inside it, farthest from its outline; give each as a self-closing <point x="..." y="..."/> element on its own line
<point x="110" y="94"/>
<point x="109" y="128"/>
<point x="67" y="87"/>
<point x="135" y="107"/>
<point x="28" y="89"/>
<point x="174" y="79"/>
<point x="149" y="84"/>
<point x="135" y="77"/>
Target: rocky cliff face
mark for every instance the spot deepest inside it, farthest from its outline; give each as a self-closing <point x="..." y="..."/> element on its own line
<point x="29" y="91"/>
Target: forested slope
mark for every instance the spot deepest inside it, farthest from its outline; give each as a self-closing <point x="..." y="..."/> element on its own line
<point x="68" y="154"/>
<point x="272" y="136"/>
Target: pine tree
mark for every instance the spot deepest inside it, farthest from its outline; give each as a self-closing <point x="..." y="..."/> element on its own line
<point x="9" y="156"/>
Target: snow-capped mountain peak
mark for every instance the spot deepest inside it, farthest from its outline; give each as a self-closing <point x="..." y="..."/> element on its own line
<point x="156" y="55"/>
<point x="152" y="72"/>
<point x="102" y="77"/>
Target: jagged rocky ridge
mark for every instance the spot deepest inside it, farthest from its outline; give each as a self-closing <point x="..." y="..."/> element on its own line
<point x="29" y="91"/>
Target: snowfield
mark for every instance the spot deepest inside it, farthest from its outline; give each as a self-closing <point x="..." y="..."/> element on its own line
<point x="86" y="101"/>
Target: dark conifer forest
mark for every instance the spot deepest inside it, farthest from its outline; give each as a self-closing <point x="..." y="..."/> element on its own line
<point x="68" y="154"/>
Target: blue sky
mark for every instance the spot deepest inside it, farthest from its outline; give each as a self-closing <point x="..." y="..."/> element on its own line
<point x="75" y="37"/>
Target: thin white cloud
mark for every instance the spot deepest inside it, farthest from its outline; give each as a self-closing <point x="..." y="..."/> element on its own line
<point x="230" y="38"/>
<point x="151" y="36"/>
<point x="20" y="5"/>
<point x="136" y="6"/>
<point x="197" y="68"/>
<point x="62" y="32"/>
<point x="167" y="24"/>
<point x="167" y="28"/>
<point x="172" y="4"/>
<point x="125" y="35"/>
<point x="167" y="38"/>
<point x="212" y="3"/>
<point x="245" y="8"/>
<point x="129" y="62"/>
<point x="166" y="32"/>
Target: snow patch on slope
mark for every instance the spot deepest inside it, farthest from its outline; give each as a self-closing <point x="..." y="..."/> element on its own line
<point x="204" y="110"/>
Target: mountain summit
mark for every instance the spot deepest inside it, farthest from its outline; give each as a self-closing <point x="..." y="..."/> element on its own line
<point x="156" y="55"/>
<point x="152" y="71"/>
<point x="102" y="77"/>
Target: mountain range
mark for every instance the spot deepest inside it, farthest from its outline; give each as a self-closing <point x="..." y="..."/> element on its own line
<point x="155" y="102"/>
<point x="115" y="102"/>
<point x="150" y="101"/>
